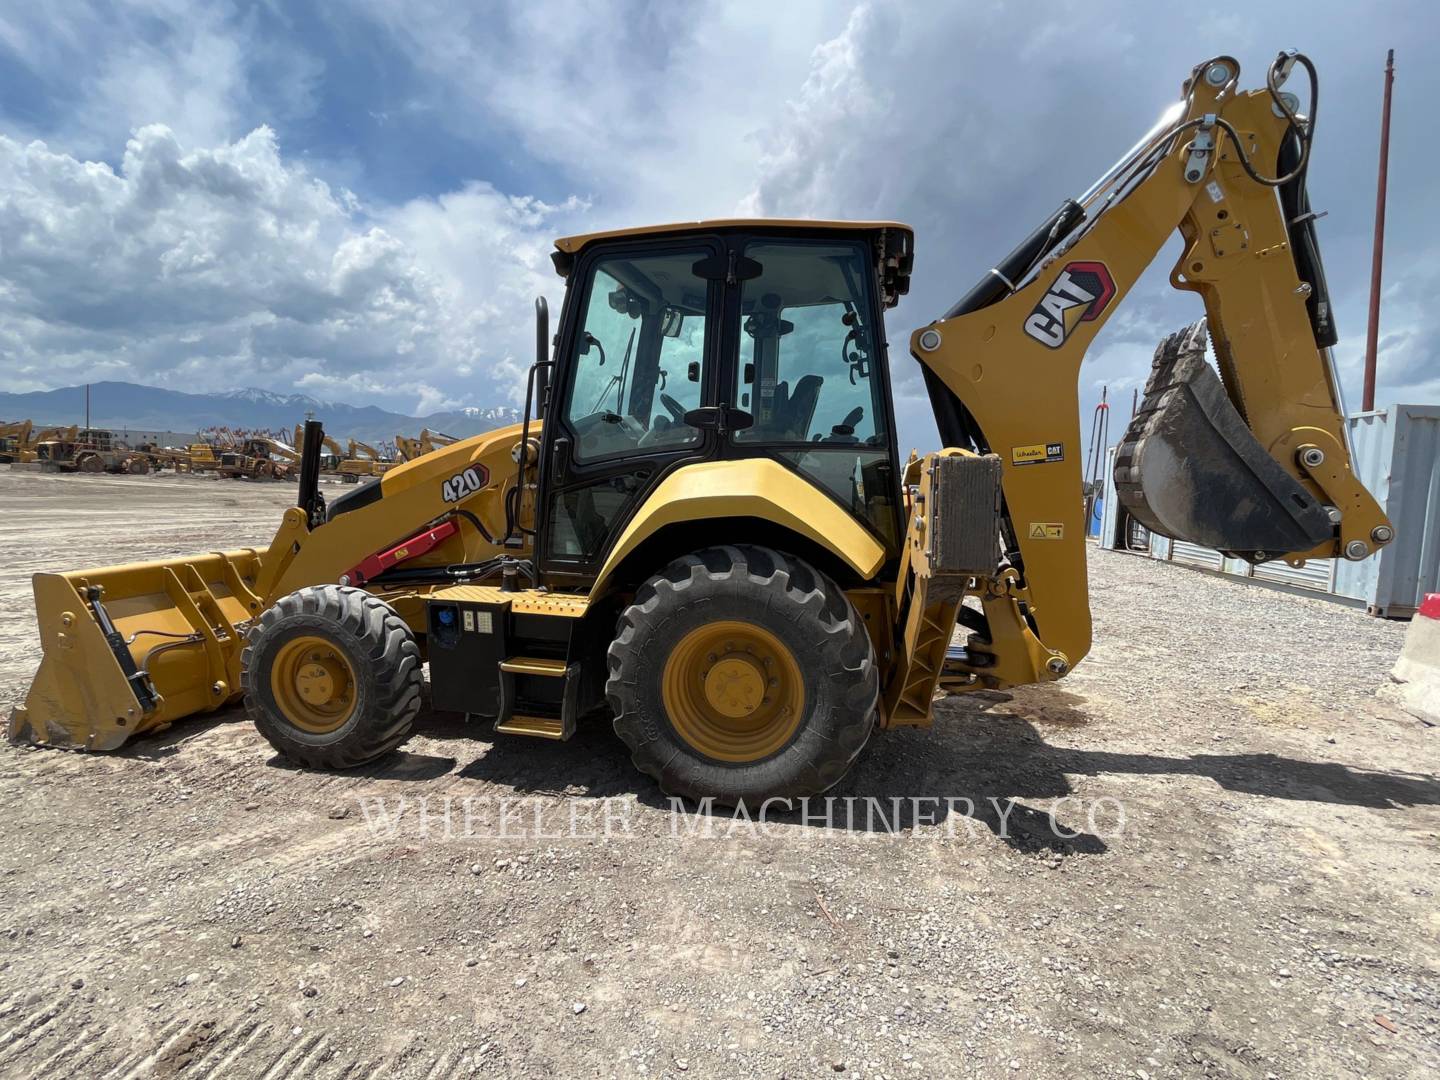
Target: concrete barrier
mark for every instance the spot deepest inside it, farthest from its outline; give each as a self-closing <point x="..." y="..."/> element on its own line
<point x="25" y="466"/>
<point x="1415" y="680"/>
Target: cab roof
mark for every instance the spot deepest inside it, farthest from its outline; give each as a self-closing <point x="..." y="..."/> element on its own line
<point x="895" y="242"/>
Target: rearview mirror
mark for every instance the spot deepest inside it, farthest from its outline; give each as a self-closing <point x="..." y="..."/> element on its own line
<point x="671" y="320"/>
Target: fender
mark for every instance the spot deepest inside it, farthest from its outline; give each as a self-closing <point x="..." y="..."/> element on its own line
<point x="755" y="488"/>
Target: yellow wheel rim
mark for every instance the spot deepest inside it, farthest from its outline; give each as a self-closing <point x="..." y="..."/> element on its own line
<point x="314" y="684"/>
<point x="733" y="691"/>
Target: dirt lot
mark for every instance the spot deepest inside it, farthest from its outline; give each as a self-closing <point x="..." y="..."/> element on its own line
<point x="1241" y="881"/>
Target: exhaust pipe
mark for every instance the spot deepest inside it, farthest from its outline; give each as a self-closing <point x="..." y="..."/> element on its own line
<point x="310" y="500"/>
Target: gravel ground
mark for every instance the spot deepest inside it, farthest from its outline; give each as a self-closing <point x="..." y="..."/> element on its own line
<point x="1239" y="881"/>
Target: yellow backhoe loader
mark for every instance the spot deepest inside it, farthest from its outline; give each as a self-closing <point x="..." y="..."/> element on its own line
<point x="706" y="531"/>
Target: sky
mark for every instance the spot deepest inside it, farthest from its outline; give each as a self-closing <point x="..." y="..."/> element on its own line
<point x="357" y="200"/>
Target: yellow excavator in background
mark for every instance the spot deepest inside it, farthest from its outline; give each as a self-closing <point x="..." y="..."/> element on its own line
<point x="18" y="441"/>
<point x="14" y="437"/>
<point x="330" y="455"/>
<point x="706" y="529"/>
<point x="407" y="449"/>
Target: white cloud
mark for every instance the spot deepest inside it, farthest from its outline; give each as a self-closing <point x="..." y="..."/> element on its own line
<point x="973" y="123"/>
<point x="202" y="255"/>
<point x="206" y="71"/>
<point x="211" y="268"/>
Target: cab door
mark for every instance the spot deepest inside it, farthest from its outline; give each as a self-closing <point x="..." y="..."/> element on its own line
<point x="637" y="352"/>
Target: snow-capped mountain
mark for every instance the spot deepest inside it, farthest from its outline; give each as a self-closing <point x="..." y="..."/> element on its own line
<point x="121" y="405"/>
<point x="267" y="397"/>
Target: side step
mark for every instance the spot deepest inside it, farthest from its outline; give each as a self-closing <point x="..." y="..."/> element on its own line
<point x="537" y="727"/>
<point x="514" y="670"/>
<point x="533" y="665"/>
<point x="528" y="722"/>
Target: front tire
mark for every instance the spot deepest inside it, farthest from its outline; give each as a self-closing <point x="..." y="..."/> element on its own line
<point x="741" y="674"/>
<point x="331" y="677"/>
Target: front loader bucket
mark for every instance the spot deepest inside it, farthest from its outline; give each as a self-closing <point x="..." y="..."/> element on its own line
<point x="130" y="649"/>
<point x="1189" y="468"/>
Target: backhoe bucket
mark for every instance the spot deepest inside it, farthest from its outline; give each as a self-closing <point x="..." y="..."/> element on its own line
<point x="130" y="649"/>
<point x="1189" y="468"/>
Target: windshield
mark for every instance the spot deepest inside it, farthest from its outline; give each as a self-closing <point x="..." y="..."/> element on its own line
<point x="639" y="354"/>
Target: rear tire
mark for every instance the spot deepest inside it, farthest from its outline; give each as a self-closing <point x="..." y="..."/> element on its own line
<point x="777" y="604"/>
<point x="330" y="639"/>
<point x="90" y="463"/>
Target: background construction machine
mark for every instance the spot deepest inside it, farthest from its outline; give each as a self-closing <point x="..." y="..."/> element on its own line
<point x="710" y="531"/>
<point x="330" y="454"/>
<point x="203" y="457"/>
<point x="361" y="460"/>
<point x="409" y="449"/>
<point x="18" y="440"/>
<point x="258" y="458"/>
<point x="165" y="457"/>
<point x="90" y="450"/>
<point x="14" y="439"/>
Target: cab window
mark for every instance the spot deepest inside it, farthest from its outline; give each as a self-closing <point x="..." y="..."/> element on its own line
<point x="808" y="373"/>
<point x="807" y="347"/>
<point x="639" y="355"/>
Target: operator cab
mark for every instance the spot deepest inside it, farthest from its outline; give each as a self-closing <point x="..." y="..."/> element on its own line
<point x="716" y="340"/>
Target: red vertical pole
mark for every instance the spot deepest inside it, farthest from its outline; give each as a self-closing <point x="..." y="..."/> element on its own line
<point x="1372" y="332"/>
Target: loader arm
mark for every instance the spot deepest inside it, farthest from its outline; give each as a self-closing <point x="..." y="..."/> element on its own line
<point x="1255" y="464"/>
<point x="176" y="628"/>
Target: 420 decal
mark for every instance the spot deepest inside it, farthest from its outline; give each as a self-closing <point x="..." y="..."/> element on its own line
<point x="1079" y="294"/>
<point x="464" y="483"/>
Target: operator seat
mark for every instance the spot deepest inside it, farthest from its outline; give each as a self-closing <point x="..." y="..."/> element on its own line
<point x="798" y="408"/>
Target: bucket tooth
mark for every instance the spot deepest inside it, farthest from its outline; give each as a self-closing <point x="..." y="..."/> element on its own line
<point x="1190" y="468"/>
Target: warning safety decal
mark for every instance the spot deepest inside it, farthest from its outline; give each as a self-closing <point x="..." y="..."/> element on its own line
<point x="1046" y="530"/>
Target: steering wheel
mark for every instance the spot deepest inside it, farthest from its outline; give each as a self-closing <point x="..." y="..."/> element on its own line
<point x="844" y="432"/>
<point x="675" y="409"/>
<point x="605" y="416"/>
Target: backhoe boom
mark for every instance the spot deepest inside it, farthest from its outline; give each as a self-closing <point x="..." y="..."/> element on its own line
<point x="1257" y="466"/>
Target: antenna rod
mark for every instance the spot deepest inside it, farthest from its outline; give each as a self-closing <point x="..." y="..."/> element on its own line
<point x="1372" y="332"/>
